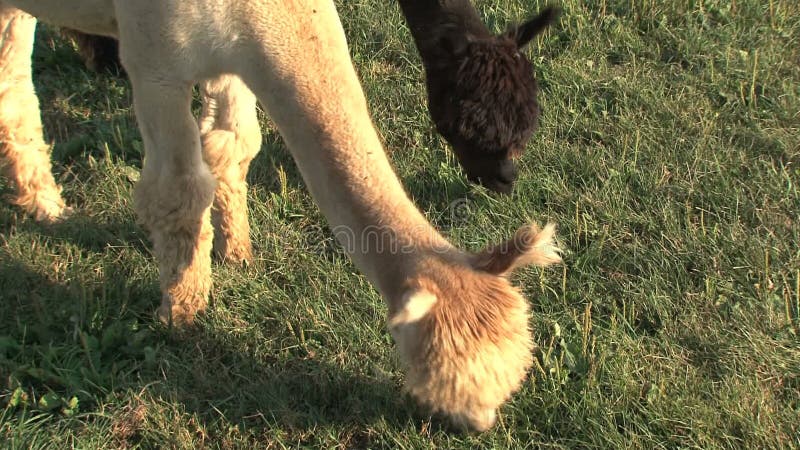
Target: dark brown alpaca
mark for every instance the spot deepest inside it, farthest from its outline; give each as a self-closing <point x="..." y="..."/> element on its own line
<point x="481" y="87"/>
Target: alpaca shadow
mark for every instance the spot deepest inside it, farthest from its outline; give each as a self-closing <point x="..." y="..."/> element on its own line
<point x="92" y="235"/>
<point x="446" y="199"/>
<point x="84" y="113"/>
<point x="272" y="158"/>
<point x="89" y="234"/>
<point x="73" y="338"/>
<point x="294" y="392"/>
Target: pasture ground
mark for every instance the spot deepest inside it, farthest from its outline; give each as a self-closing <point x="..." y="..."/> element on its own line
<point x="668" y="153"/>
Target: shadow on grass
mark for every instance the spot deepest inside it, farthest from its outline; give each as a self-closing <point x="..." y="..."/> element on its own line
<point x="93" y="235"/>
<point x="291" y="391"/>
<point x="98" y="340"/>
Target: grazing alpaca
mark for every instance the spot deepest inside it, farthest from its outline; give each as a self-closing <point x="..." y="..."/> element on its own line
<point x="481" y="87"/>
<point x="460" y="326"/>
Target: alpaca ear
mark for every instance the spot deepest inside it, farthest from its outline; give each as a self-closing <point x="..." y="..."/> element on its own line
<point x="414" y="305"/>
<point x="530" y="245"/>
<point x="524" y="33"/>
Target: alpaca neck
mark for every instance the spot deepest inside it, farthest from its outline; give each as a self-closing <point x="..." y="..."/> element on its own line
<point x="426" y="19"/>
<point x="312" y="93"/>
<point x="364" y="202"/>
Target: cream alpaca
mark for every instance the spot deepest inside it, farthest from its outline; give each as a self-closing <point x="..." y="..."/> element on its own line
<point x="460" y="327"/>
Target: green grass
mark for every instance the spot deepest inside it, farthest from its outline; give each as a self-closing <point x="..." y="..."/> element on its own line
<point x="669" y="155"/>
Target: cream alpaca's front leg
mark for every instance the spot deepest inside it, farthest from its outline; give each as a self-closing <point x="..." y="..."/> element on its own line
<point x="173" y="197"/>
<point x="24" y="156"/>
<point x="231" y="138"/>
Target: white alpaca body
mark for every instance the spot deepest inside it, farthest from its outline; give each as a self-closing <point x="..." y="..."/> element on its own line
<point x="96" y="16"/>
<point x="467" y="345"/>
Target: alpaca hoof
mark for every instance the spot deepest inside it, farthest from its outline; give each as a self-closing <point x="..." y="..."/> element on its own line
<point x="51" y="212"/>
<point x="174" y="314"/>
<point x="53" y="216"/>
<point x="241" y="254"/>
<point x="478" y="421"/>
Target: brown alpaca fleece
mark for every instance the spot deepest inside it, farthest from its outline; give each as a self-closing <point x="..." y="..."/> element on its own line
<point x="482" y="93"/>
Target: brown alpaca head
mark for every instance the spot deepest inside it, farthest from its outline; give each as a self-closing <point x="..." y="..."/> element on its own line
<point x="482" y="97"/>
<point x="462" y="329"/>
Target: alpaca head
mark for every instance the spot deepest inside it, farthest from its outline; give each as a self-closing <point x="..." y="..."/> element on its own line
<point x="462" y="329"/>
<point x="482" y="97"/>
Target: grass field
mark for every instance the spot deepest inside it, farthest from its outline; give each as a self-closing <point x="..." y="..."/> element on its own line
<point x="668" y="153"/>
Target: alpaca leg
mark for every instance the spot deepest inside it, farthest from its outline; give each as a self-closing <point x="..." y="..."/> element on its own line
<point x="24" y="156"/>
<point x="231" y="138"/>
<point x="173" y="197"/>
